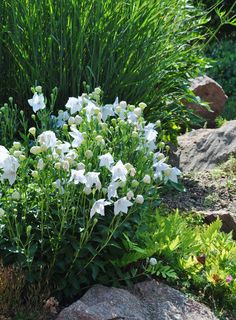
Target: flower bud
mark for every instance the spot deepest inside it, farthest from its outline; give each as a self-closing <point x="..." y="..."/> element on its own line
<point x="38" y="89"/>
<point x="135" y="183"/>
<point x="130" y="195"/>
<point x="80" y="166"/>
<point x="36" y="150"/>
<point x="138" y="112"/>
<point x="17" y="153"/>
<point x="22" y="157"/>
<point x="88" y="154"/>
<point x="99" y="138"/>
<point x="98" y="90"/>
<point x="142" y="105"/>
<point x="16" y="145"/>
<point x="158" y="123"/>
<point x="57" y="165"/>
<point x="78" y="119"/>
<point x="65" y="127"/>
<point x="87" y="190"/>
<point x="35" y="174"/>
<point x="32" y="131"/>
<point x="40" y="164"/>
<point x="139" y="199"/>
<point x="147" y="179"/>
<point x="71" y="121"/>
<point x="33" y="117"/>
<point x="152" y="261"/>
<point x="123" y="104"/>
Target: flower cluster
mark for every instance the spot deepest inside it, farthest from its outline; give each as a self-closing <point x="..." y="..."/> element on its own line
<point x="90" y="149"/>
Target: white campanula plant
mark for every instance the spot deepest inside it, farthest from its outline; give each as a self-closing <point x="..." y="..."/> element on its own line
<point x="67" y="200"/>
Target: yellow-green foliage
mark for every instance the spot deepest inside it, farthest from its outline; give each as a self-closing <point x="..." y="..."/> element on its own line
<point x="198" y="257"/>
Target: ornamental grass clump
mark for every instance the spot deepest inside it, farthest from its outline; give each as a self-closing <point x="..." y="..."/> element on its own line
<point x="69" y="192"/>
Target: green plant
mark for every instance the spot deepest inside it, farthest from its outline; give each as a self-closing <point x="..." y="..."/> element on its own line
<point x="68" y="195"/>
<point x="195" y="257"/>
<point x="223" y="52"/>
<point x="140" y="50"/>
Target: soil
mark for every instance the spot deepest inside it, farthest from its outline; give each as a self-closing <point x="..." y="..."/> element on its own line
<point x="206" y="191"/>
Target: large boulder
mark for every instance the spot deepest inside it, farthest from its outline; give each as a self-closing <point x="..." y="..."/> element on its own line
<point x="204" y="149"/>
<point x="149" y="300"/>
<point x="209" y="91"/>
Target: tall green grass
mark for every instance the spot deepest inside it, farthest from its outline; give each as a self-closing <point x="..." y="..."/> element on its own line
<point x="139" y="50"/>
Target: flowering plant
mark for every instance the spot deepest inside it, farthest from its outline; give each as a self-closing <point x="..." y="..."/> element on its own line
<point x="67" y="200"/>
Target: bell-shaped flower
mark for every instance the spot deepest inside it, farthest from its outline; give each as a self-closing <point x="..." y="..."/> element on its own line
<point x="47" y="140"/>
<point x="132" y="117"/>
<point x="91" y="109"/>
<point x="78" y="137"/>
<point x="99" y="207"/>
<point x="92" y="178"/>
<point x="172" y="174"/>
<point x="112" y="190"/>
<point x="74" y="104"/>
<point x="159" y="167"/>
<point x="37" y="102"/>
<point x="119" y="171"/>
<point x="107" y="111"/>
<point x="9" y="166"/>
<point x="150" y="133"/>
<point x="61" y="118"/>
<point x="106" y="160"/>
<point x="122" y="205"/>
<point x="77" y="176"/>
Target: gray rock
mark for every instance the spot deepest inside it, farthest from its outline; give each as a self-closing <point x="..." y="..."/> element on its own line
<point x="204" y="149"/>
<point x="227" y="218"/>
<point x="148" y="300"/>
<point x="209" y="91"/>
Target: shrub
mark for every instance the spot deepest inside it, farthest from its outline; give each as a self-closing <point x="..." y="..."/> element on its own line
<point x="194" y="256"/>
<point x="223" y="52"/>
<point x="68" y="195"/>
<point x="139" y="50"/>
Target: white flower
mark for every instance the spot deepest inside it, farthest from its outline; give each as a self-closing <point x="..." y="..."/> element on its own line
<point x="106" y="160"/>
<point x="99" y="207"/>
<point x="171" y="174"/>
<point x="132" y="117"/>
<point x="15" y="195"/>
<point x="74" y="104"/>
<point x="3" y="150"/>
<point x="139" y="199"/>
<point x="112" y="190"/>
<point x="121" y="109"/>
<point x="91" y="109"/>
<point x="87" y="190"/>
<point x="138" y="111"/>
<point x="92" y="178"/>
<point x="78" y="137"/>
<point x="77" y="176"/>
<point x="63" y="148"/>
<point x="122" y="205"/>
<point x="150" y="133"/>
<point x="78" y="119"/>
<point x="40" y="164"/>
<point x="152" y="261"/>
<point x="130" y="195"/>
<point x="107" y="111"/>
<point x="159" y="167"/>
<point x="37" y="102"/>
<point x="47" y="139"/>
<point x="62" y="118"/>
<point x="119" y="171"/>
<point x="9" y="165"/>
<point x="147" y="179"/>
